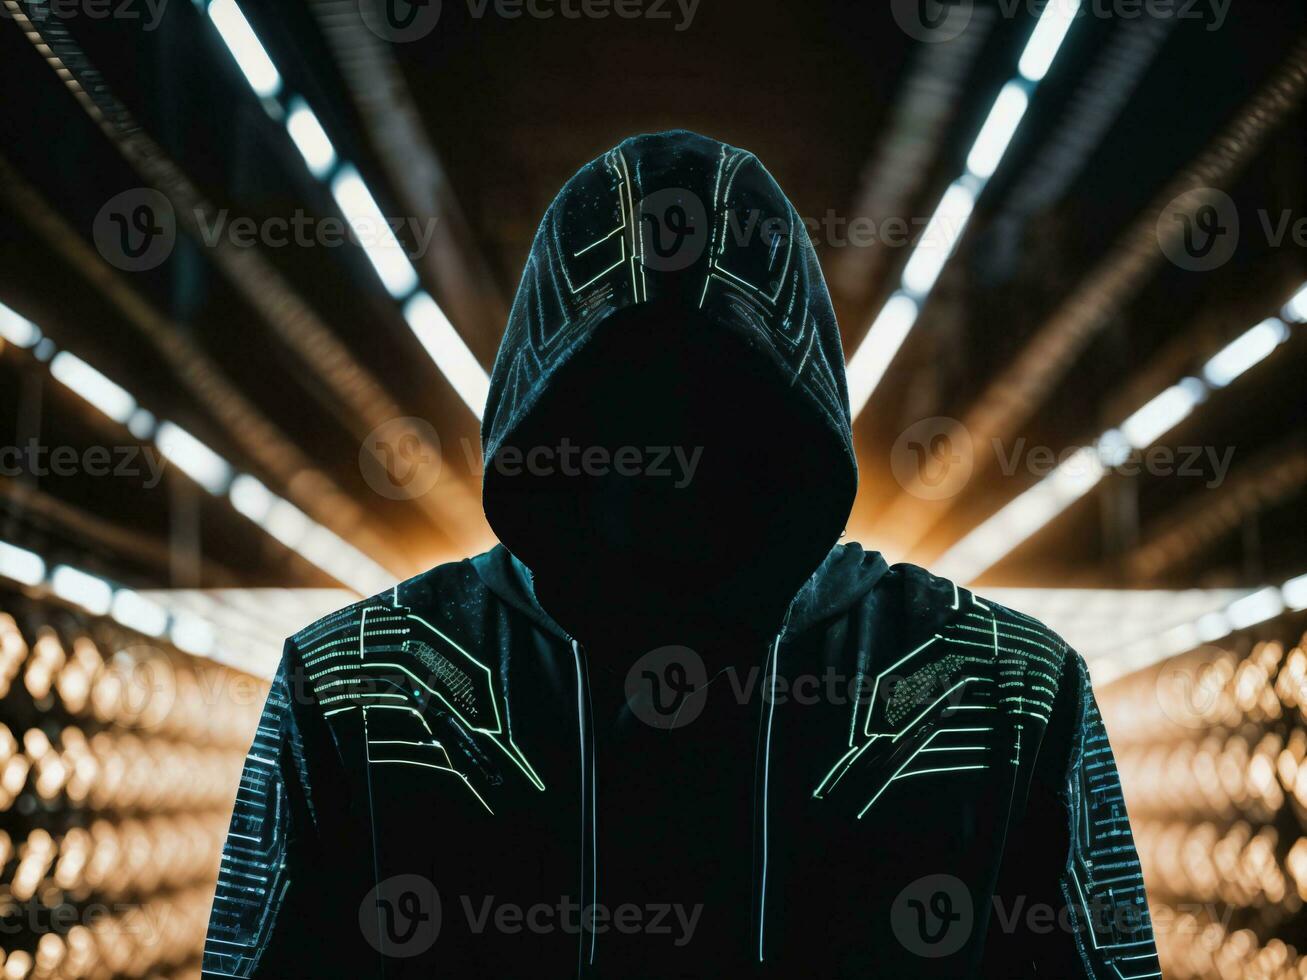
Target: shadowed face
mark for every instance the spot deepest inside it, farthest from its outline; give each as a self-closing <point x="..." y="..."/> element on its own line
<point x="671" y="466"/>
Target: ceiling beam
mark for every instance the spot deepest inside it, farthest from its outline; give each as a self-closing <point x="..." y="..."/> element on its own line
<point x="456" y="510"/>
<point x="1011" y="397"/>
<point x="274" y="454"/>
<point x="394" y="124"/>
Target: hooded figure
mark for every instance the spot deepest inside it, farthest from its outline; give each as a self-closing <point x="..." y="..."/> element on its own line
<point x="669" y="727"/>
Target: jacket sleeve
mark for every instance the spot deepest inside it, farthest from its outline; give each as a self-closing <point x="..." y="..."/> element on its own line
<point x="296" y="863"/>
<point x="1070" y="900"/>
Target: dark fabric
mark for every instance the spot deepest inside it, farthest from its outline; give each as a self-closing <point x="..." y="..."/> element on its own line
<point x="672" y="298"/>
<point x="497" y="769"/>
<point x="745" y="262"/>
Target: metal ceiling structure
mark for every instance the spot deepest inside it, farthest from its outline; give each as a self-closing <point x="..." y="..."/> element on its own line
<point x="1056" y="313"/>
<point x="256" y="258"/>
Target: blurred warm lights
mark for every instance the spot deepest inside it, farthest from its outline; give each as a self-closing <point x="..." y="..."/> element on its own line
<point x="1212" y="747"/>
<point x="119" y="759"/>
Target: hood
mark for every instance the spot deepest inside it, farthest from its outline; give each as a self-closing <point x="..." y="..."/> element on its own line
<point x="843" y="578"/>
<point x="671" y="293"/>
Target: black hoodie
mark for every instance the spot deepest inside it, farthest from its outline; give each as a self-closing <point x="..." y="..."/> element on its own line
<point x="792" y="761"/>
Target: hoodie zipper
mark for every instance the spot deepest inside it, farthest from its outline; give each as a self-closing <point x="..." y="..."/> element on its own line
<point x="761" y="828"/>
<point x="589" y="889"/>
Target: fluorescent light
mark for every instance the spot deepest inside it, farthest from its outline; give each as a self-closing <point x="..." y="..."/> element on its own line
<point x="138" y="613"/>
<point x="142" y="424"/>
<point x="287" y="523"/>
<point x="18" y="330"/>
<point x="925" y="264"/>
<point x="1020" y="518"/>
<point x="1296" y="308"/>
<point x="1245" y="351"/>
<point x="251" y="498"/>
<point x="939" y="239"/>
<point x="321" y="547"/>
<point x="192" y="634"/>
<point x="245" y="47"/>
<point x="452" y="356"/>
<point x="310" y="139"/>
<point x="1212" y="627"/>
<point x="82" y="379"/>
<point x="373" y="232"/>
<point x="1248" y="610"/>
<point x="1295" y="592"/>
<point x="314" y="543"/>
<point x="1252" y="609"/>
<point x="193" y="457"/>
<point x="344" y="562"/>
<point x="359" y="572"/>
<point x="1000" y="126"/>
<point x="1163" y="413"/>
<point x="21" y="565"/>
<point x="1178" y="639"/>
<point x="1046" y="38"/>
<point x="884" y="338"/>
<point x="1113" y="448"/>
<point x="90" y="592"/>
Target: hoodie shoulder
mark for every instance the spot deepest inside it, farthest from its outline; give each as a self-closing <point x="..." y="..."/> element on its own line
<point x="1031" y="655"/>
<point x="1028" y="658"/>
<point x="845" y="576"/>
<point x="445" y="592"/>
<point x="923" y="594"/>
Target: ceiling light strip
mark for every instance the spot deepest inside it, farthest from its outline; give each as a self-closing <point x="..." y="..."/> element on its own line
<point x="931" y="252"/>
